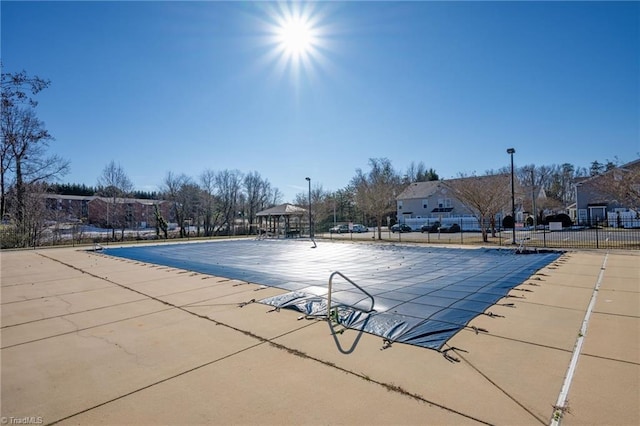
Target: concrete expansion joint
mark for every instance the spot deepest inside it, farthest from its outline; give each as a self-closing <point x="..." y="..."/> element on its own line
<point x="492" y="382"/>
<point x="563" y="397"/>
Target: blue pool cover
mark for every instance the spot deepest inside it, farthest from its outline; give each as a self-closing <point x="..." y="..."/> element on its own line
<point x="423" y="295"/>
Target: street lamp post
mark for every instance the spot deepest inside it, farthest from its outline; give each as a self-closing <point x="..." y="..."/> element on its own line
<point x="533" y="200"/>
<point x="512" y="151"/>
<point x="310" y="228"/>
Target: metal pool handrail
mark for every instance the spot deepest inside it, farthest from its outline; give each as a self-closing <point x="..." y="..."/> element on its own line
<point x="353" y="284"/>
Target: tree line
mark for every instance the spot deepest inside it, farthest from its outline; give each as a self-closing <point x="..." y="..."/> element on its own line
<point x="81" y="189"/>
<point x="213" y="201"/>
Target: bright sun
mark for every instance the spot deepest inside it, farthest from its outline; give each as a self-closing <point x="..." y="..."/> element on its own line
<point x="297" y="39"/>
<point x="296" y="36"/>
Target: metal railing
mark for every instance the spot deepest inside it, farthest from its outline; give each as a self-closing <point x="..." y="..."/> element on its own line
<point x="333" y="315"/>
<point x="330" y="290"/>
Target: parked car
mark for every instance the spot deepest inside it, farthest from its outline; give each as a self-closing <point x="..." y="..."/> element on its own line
<point x="437" y="227"/>
<point x="401" y="227"/>
<point x="430" y="228"/>
<point x="451" y="228"/>
<point x="339" y="229"/>
<point x="360" y="228"/>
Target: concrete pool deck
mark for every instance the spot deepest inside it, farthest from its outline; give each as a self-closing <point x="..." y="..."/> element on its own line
<point x="91" y="339"/>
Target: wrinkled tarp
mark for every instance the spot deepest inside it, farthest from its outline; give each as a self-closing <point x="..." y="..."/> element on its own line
<point x="423" y="295"/>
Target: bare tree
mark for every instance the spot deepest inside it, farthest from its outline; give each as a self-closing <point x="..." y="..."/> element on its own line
<point x="484" y="196"/>
<point x="533" y="181"/>
<point x="375" y="191"/>
<point x="210" y="213"/>
<point x="275" y="197"/>
<point x="320" y="203"/>
<point x="32" y="227"/>
<point x="114" y="183"/>
<point x="419" y="173"/>
<point x="258" y="193"/>
<point x="24" y="142"/>
<point x="23" y="153"/>
<point x="16" y="90"/>
<point x="229" y="185"/>
<point x="560" y="185"/>
<point x="182" y="193"/>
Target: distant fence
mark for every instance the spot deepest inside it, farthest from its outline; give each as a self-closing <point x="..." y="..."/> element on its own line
<point x="610" y="233"/>
<point x="599" y="236"/>
<point x="606" y="234"/>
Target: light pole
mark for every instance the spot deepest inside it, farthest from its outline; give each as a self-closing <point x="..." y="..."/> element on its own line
<point x="310" y="229"/>
<point x="512" y="151"/>
<point x="533" y="200"/>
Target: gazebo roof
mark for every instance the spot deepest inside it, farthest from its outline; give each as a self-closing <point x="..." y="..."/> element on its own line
<point x="283" y="210"/>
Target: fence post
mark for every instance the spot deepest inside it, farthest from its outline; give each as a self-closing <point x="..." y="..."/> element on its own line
<point x="461" y="238"/>
<point x="597" y="241"/>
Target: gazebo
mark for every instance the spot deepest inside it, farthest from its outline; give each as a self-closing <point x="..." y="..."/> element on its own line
<point x="284" y="220"/>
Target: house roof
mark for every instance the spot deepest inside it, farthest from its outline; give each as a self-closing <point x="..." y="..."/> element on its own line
<point x="630" y="166"/>
<point x="119" y="200"/>
<point x="283" y="210"/>
<point x="109" y="200"/>
<point x="69" y="197"/>
<point x="427" y="189"/>
<point x="420" y="190"/>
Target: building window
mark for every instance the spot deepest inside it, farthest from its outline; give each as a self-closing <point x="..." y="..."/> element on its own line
<point x="444" y="203"/>
<point x="129" y="214"/>
<point x="399" y="205"/>
<point x="424" y="204"/>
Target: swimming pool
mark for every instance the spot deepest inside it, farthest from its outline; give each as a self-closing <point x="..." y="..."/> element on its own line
<point x="422" y="295"/>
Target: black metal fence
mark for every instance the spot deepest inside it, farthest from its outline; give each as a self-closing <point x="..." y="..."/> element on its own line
<point x="624" y="235"/>
<point x="599" y="236"/>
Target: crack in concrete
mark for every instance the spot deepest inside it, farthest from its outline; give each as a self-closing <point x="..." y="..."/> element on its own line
<point x="104" y="339"/>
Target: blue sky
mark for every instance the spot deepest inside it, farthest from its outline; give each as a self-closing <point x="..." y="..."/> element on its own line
<point x="190" y="86"/>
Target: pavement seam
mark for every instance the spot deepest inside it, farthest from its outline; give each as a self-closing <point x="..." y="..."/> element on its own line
<point x="72" y="313"/>
<point x="45" y="282"/>
<point x="606" y="358"/>
<point x="561" y="405"/>
<point x="612" y="314"/>
<point x="65" y="318"/>
<point x="262" y="340"/>
<point x="513" y="339"/>
<point x="166" y="379"/>
<point x="56" y="295"/>
<point x="507" y="394"/>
